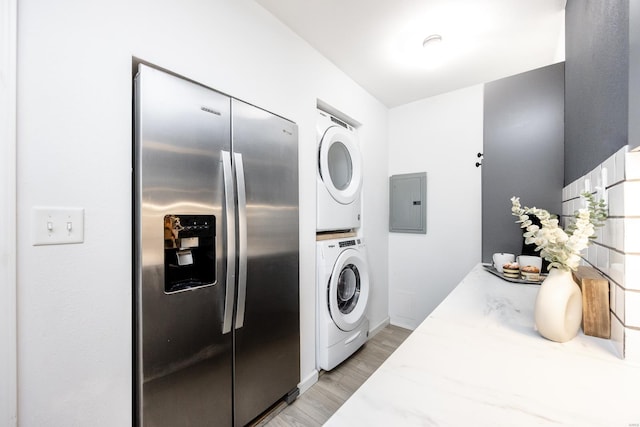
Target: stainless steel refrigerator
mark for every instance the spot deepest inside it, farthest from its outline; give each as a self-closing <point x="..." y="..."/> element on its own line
<point x="216" y="255"/>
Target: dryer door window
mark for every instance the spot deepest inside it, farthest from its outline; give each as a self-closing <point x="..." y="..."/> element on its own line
<point x="348" y="290"/>
<point x="340" y="164"/>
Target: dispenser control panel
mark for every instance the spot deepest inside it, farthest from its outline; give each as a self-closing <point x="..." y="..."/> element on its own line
<point x="189" y="251"/>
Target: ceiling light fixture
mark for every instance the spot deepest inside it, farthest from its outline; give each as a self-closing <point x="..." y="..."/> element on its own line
<point x="432" y="53"/>
<point x="432" y="40"/>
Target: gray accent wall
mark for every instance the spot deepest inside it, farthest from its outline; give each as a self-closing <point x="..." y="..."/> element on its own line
<point x="634" y="74"/>
<point x="523" y="152"/>
<point x="597" y="82"/>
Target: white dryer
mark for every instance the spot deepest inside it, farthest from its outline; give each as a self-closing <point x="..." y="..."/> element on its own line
<point x="339" y="175"/>
<point x="343" y="292"/>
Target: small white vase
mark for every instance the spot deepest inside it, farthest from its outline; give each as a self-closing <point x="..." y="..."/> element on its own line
<point x="558" y="310"/>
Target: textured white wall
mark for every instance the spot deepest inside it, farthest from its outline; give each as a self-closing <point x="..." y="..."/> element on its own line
<point x="441" y="136"/>
<point x="74" y="149"/>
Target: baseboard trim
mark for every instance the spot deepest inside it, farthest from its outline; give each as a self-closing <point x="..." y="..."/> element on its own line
<point x="401" y="324"/>
<point x="308" y="381"/>
<point x="380" y="326"/>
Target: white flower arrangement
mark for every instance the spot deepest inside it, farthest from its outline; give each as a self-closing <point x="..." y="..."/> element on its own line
<point x="561" y="248"/>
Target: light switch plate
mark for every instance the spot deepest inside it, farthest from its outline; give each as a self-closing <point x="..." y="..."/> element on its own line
<point x="57" y="226"/>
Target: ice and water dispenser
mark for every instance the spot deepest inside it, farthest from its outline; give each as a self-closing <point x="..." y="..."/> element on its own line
<point x="189" y="252"/>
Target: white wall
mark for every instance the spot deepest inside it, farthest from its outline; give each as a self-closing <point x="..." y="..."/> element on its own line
<point x="441" y="136"/>
<point x="74" y="149"/>
<point x="375" y="158"/>
<point x="8" y="391"/>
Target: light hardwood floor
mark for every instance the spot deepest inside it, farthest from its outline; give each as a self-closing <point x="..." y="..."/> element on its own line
<point x="316" y="405"/>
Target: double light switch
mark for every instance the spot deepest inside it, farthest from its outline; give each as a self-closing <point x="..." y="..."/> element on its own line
<point x="57" y="226"/>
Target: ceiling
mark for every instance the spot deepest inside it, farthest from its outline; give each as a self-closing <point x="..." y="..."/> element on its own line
<point x="379" y="43"/>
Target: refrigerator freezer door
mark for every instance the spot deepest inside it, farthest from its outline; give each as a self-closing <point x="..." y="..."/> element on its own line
<point x="185" y="361"/>
<point x="268" y="343"/>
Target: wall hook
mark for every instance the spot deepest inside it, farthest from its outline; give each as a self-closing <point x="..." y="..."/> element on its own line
<point x="478" y="164"/>
<point x="480" y="155"/>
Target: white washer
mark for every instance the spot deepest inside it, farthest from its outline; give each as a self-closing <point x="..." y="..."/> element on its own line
<point x="339" y="175"/>
<point x="343" y="292"/>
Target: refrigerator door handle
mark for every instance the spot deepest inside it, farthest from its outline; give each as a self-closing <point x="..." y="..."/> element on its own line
<point x="231" y="241"/>
<point x="242" y="240"/>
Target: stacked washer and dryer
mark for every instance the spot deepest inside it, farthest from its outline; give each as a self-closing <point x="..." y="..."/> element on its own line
<point x="342" y="270"/>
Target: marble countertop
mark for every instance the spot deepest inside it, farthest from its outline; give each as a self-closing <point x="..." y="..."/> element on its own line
<point x="477" y="361"/>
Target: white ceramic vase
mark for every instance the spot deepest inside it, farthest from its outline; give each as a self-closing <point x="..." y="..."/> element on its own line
<point x="558" y="310"/>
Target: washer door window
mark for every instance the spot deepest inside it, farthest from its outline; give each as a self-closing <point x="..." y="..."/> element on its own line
<point x="348" y="290"/>
<point x="340" y="164"/>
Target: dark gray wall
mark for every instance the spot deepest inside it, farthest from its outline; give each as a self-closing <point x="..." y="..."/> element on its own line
<point x="634" y="73"/>
<point x="523" y="152"/>
<point x="597" y="83"/>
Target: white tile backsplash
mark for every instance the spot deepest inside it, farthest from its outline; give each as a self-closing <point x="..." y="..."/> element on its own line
<point x="620" y="304"/>
<point x="602" y="260"/>
<point x="616" y="252"/>
<point x="612" y="296"/>
<point x="632" y="345"/>
<point x="620" y="161"/>
<point x="575" y="205"/>
<point x="601" y="191"/>
<point x="609" y="165"/>
<point x="632" y="168"/>
<point x="624" y="269"/>
<point x="592" y="254"/>
<point x="621" y="234"/>
<point x="631" y="233"/>
<point x="580" y="186"/>
<point x="611" y="234"/>
<point x="600" y="231"/>
<point x="624" y="199"/>
<point x="573" y="189"/>
<point x="618" y="234"/>
<point x="616" y="200"/>
<point x="632" y="198"/>
<point x="617" y="267"/>
<point x="595" y="180"/>
<point x="617" y="335"/>
<point x="632" y="308"/>
<point x="632" y="271"/>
